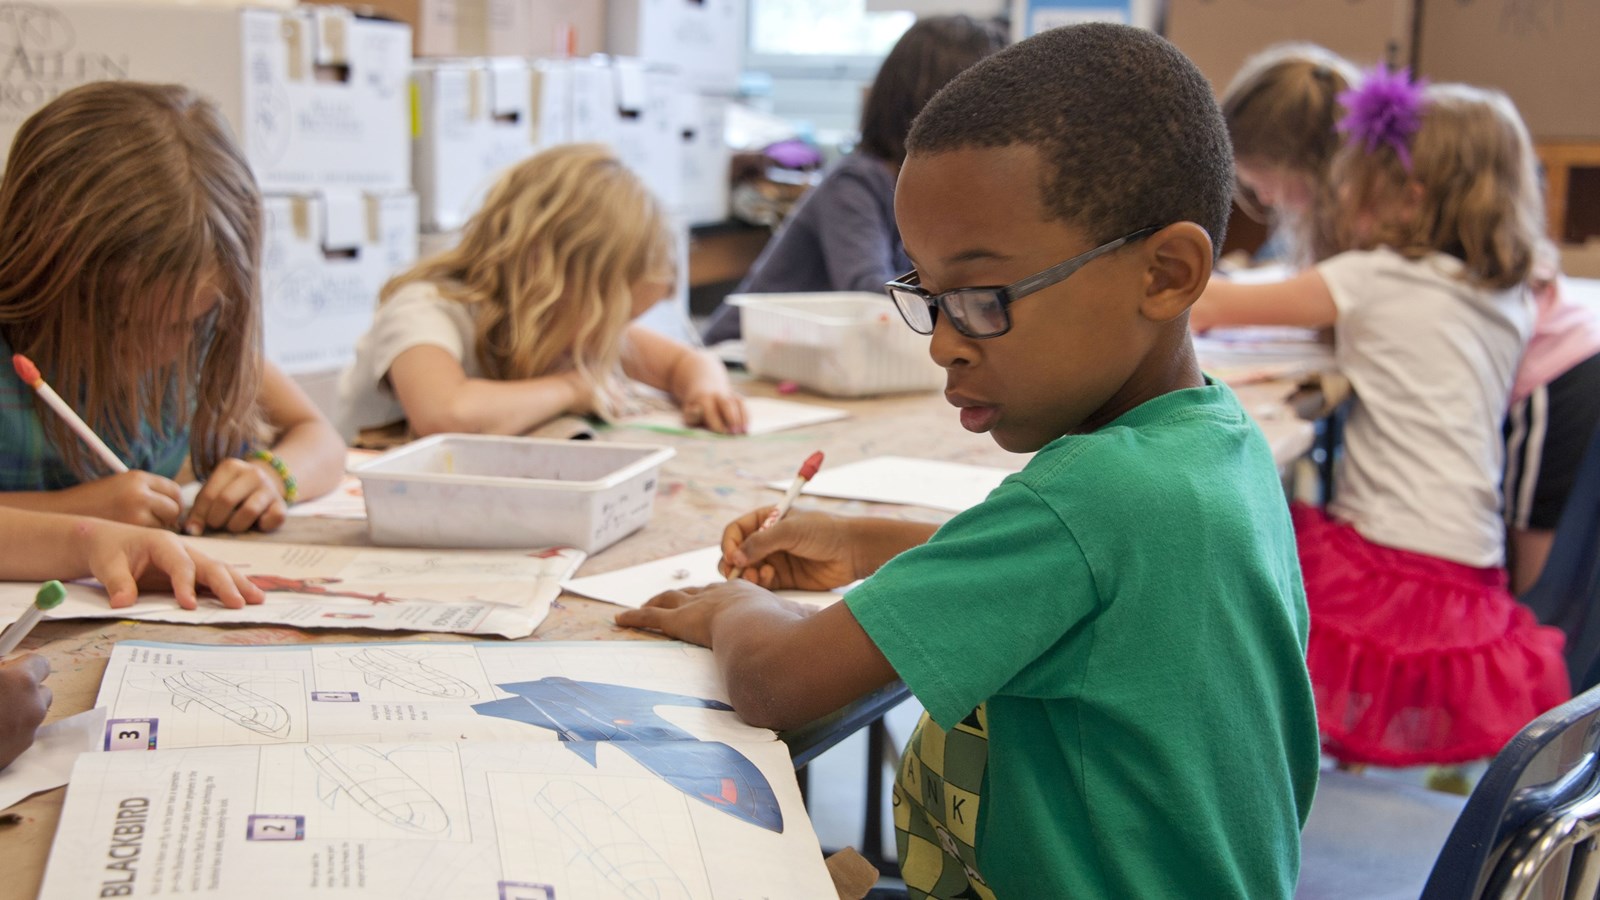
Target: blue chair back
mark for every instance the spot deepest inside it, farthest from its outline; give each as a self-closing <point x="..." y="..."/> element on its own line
<point x="1567" y="594"/>
<point x="1550" y="767"/>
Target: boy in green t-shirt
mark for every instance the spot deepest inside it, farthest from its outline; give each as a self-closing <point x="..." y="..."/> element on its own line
<point x="1111" y="646"/>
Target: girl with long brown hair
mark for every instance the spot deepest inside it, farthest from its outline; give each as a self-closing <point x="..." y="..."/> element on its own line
<point x="130" y="245"/>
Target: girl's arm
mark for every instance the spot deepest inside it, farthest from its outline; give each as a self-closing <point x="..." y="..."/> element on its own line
<point x="1303" y="301"/>
<point x="437" y="396"/>
<point x="307" y="442"/>
<point x="697" y="380"/>
<point x="42" y="546"/>
<point x="250" y="493"/>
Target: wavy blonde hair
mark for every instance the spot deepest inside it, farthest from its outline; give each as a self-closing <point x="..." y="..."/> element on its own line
<point x="121" y="203"/>
<point x="1474" y="174"/>
<point x="1281" y="109"/>
<point x="548" y="265"/>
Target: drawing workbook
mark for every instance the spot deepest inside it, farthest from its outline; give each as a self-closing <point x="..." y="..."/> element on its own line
<point x="505" y="593"/>
<point x="509" y="772"/>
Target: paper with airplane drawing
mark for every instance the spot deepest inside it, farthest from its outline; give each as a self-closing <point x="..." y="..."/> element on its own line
<point x="192" y="695"/>
<point x="509" y="820"/>
<point x="505" y="593"/>
<point x="616" y="769"/>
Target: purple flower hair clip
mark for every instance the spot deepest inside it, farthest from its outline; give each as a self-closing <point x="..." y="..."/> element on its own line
<point x="1385" y="109"/>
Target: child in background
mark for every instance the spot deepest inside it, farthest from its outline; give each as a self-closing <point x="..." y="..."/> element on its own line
<point x="531" y="315"/>
<point x="130" y="240"/>
<point x="1110" y="646"/>
<point x="1281" y="109"/>
<point x="44" y="546"/>
<point x="1418" y="653"/>
<point x="842" y="236"/>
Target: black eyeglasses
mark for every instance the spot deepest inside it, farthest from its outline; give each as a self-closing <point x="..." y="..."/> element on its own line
<point x="981" y="312"/>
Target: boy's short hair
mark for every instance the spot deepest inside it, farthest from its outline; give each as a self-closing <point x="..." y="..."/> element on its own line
<point x="1130" y="133"/>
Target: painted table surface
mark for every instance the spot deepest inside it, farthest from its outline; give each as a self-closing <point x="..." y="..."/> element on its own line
<point x="708" y="483"/>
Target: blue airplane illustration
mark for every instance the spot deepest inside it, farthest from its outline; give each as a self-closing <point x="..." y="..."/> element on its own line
<point x="585" y="712"/>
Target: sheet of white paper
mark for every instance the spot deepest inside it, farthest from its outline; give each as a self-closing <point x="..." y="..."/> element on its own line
<point x="174" y="696"/>
<point x="514" y="820"/>
<point x="766" y="415"/>
<point x="910" y="482"/>
<point x="49" y="761"/>
<point x="636" y="584"/>
<point x="506" y="593"/>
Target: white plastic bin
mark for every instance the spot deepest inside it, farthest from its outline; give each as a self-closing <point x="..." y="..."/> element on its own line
<point x="466" y="490"/>
<point x="844" y="344"/>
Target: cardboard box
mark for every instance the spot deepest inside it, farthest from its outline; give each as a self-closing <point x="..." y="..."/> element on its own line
<point x="703" y="39"/>
<point x="475" y="119"/>
<point x="706" y="157"/>
<point x="648" y="136"/>
<point x="325" y="257"/>
<point x="1543" y="55"/>
<point x="316" y="96"/>
<point x="1219" y="35"/>
<point x="548" y="28"/>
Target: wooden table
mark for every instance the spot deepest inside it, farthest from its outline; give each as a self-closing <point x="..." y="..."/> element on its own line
<point x="709" y="482"/>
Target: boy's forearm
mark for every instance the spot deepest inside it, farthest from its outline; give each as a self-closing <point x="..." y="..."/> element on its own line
<point x="785" y="669"/>
<point x="875" y="541"/>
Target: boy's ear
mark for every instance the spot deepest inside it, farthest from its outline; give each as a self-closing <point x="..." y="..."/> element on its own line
<point x="1179" y="265"/>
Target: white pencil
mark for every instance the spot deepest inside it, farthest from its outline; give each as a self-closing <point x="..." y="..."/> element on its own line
<point x="49" y="597"/>
<point x="29" y="373"/>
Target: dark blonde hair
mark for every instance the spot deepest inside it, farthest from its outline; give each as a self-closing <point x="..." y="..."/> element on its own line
<point x="121" y="202"/>
<point x="548" y="265"/>
<point x="1281" y="109"/>
<point x="1473" y="178"/>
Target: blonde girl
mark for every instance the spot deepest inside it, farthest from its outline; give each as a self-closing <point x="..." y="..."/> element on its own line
<point x="1281" y="109"/>
<point x="1418" y="653"/>
<point x="130" y="240"/>
<point x="530" y="317"/>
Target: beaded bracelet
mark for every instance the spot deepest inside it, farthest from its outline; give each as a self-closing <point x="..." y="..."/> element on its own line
<point x="290" y="486"/>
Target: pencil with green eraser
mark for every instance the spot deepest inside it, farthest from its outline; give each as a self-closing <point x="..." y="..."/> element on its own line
<point x="50" y="595"/>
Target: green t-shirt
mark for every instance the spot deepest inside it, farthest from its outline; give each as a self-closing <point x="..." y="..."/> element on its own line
<point x="1112" y="646"/>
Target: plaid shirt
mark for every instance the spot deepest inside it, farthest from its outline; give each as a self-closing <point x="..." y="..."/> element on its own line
<point x="30" y="462"/>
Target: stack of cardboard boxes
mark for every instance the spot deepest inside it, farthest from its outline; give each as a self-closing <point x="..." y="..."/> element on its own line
<point x="317" y="98"/>
<point x="485" y="101"/>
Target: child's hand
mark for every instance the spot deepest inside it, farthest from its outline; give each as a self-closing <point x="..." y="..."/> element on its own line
<point x="805" y="551"/>
<point x="23" y="702"/>
<point x="136" y="498"/>
<point x="237" y="496"/>
<point x="687" y="614"/>
<point x="721" y="411"/>
<point x="127" y="559"/>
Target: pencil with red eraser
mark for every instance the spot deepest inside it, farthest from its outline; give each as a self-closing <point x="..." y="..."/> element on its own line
<point x="29" y="373"/>
<point x="808" y="470"/>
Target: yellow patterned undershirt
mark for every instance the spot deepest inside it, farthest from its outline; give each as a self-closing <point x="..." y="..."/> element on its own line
<point x="936" y="796"/>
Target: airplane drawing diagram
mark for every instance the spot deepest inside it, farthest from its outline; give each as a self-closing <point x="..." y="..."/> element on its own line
<point x="229" y="699"/>
<point x="584" y="712"/>
<point x="377" y="785"/>
<point x="379" y="665"/>
<point x="625" y="861"/>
